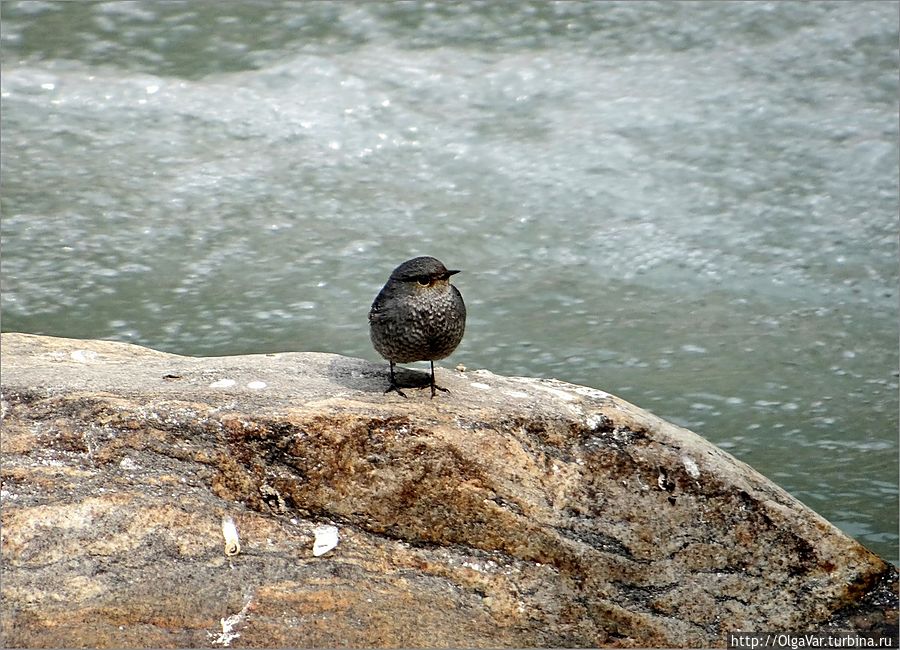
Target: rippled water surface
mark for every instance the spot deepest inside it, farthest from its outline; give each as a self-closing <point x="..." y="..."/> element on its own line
<point x="691" y="205"/>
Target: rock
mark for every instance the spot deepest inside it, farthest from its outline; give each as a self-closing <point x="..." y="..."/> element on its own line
<point x="509" y="512"/>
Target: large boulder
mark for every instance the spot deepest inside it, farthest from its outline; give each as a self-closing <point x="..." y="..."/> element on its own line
<point x="508" y="512"/>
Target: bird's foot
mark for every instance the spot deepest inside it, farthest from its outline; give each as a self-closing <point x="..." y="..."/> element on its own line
<point x="395" y="388"/>
<point x="433" y="387"/>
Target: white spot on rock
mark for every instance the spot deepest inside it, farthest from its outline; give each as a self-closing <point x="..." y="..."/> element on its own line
<point x="594" y="421"/>
<point x="228" y="627"/>
<point x="326" y="539"/>
<point x="690" y="466"/>
<point x="256" y="385"/>
<point x="517" y="393"/>
<point x="561" y="394"/>
<point x="478" y="384"/>
<point x="127" y="464"/>
<point x="587" y="391"/>
<point x="84" y="356"/>
<point x="223" y="383"/>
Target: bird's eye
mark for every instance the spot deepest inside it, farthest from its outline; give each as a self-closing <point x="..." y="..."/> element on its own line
<point x="424" y="281"/>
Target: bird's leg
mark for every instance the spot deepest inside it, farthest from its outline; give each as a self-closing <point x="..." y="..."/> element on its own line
<point x="394" y="387"/>
<point x="433" y="385"/>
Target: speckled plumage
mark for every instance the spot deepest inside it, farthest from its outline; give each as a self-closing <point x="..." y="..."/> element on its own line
<point x="418" y="315"/>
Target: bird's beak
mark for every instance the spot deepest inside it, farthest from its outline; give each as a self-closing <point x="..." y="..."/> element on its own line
<point x="449" y="273"/>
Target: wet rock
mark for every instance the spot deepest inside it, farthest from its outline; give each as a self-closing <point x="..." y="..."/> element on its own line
<point x="509" y="512"/>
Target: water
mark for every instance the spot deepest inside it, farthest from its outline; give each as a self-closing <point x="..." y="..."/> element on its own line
<point x="690" y="205"/>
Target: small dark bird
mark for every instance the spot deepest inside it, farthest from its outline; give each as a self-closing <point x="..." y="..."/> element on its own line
<point x="417" y="316"/>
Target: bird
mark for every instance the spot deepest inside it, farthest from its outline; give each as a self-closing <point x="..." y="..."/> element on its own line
<point x="417" y="316"/>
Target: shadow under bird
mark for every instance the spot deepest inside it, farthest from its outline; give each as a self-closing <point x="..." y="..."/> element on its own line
<point x="417" y="316"/>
